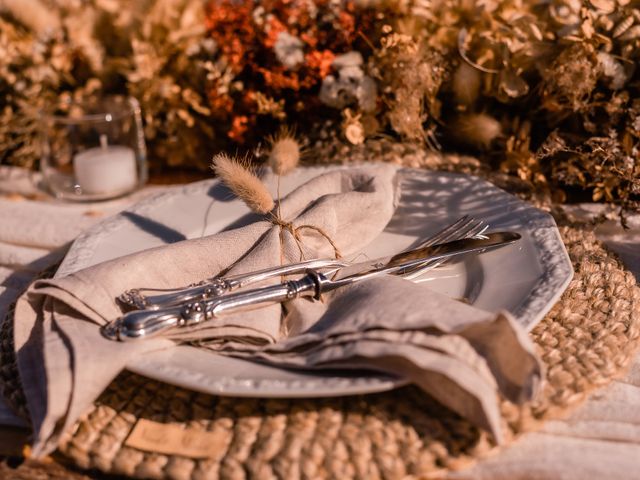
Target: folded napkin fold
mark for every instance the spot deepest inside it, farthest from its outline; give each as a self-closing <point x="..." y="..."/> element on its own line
<point x="461" y="355"/>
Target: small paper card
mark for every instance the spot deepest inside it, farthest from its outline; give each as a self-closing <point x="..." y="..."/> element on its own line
<point x="173" y="439"/>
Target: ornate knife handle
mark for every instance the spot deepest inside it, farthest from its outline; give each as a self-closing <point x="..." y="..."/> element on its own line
<point x="136" y="298"/>
<point x="143" y="298"/>
<point x="148" y="323"/>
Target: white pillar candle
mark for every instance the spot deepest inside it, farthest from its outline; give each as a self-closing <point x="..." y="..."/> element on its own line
<point x="106" y="169"/>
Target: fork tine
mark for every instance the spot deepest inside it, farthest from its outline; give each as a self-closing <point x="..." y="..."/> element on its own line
<point x="469" y="229"/>
<point x="447" y="232"/>
<point x="472" y="229"/>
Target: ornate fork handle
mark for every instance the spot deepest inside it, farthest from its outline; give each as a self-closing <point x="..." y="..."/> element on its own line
<point x="147" y="323"/>
<point x="138" y="298"/>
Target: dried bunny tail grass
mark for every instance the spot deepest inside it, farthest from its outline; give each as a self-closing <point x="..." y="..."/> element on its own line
<point x="237" y="175"/>
<point x="284" y="156"/>
<point x="476" y="129"/>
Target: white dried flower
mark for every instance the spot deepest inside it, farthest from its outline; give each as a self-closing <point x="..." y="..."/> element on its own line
<point x="611" y="68"/>
<point x="351" y="86"/>
<point x="289" y="50"/>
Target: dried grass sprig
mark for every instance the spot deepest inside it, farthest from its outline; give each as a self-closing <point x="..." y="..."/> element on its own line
<point x="285" y="152"/>
<point x="238" y="176"/>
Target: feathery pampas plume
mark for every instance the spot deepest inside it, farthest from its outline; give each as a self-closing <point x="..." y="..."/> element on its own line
<point x="285" y="152"/>
<point x="236" y="175"/>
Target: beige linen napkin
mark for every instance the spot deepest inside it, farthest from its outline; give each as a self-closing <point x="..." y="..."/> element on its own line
<point x="65" y="363"/>
<point x="461" y="355"/>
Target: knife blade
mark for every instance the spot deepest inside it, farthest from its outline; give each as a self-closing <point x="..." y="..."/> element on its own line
<point x="147" y="323"/>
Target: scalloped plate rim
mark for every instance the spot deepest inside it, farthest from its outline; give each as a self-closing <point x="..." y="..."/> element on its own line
<point x="172" y="366"/>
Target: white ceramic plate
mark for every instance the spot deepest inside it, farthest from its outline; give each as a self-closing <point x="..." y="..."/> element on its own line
<point x="525" y="278"/>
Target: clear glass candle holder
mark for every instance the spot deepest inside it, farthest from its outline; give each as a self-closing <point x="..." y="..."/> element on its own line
<point x="94" y="150"/>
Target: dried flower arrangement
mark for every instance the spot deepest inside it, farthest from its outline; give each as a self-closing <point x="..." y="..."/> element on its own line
<point x="543" y="91"/>
<point x="36" y="69"/>
<point x="546" y="92"/>
<point x="155" y="50"/>
<point x="286" y="60"/>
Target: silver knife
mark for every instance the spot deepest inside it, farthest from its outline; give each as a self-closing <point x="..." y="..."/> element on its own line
<point x="147" y="323"/>
<point x="156" y="298"/>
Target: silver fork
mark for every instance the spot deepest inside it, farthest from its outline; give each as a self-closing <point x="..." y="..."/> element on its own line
<point x="472" y="228"/>
<point x="139" y="298"/>
<point x="147" y="323"/>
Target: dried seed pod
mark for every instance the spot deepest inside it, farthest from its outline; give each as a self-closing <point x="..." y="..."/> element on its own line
<point x="354" y="132"/>
<point x="237" y="175"/>
<point x="605" y="23"/>
<point x="284" y="156"/>
<point x="622" y="27"/>
<point x="631" y="34"/>
<point x="512" y="85"/>
<point x="352" y="127"/>
<point x="604" y="6"/>
<point x="565" y="12"/>
<point x="535" y="31"/>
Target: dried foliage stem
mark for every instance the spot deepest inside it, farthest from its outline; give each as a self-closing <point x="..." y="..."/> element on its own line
<point x="284" y="156"/>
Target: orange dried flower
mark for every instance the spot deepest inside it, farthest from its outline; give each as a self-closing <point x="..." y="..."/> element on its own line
<point x="239" y="126"/>
<point x="320" y="61"/>
<point x="277" y="49"/>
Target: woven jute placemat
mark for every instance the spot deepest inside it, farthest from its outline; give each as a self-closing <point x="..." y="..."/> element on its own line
<point x="586" y="340"/>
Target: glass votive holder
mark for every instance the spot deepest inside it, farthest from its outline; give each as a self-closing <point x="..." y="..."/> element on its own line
<point x="94" y="150"/>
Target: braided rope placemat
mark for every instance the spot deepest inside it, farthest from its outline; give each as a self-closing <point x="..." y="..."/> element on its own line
<point x="586" y="340"/>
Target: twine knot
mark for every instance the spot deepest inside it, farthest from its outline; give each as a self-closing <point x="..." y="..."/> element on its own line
<point x="295" y="233"/>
